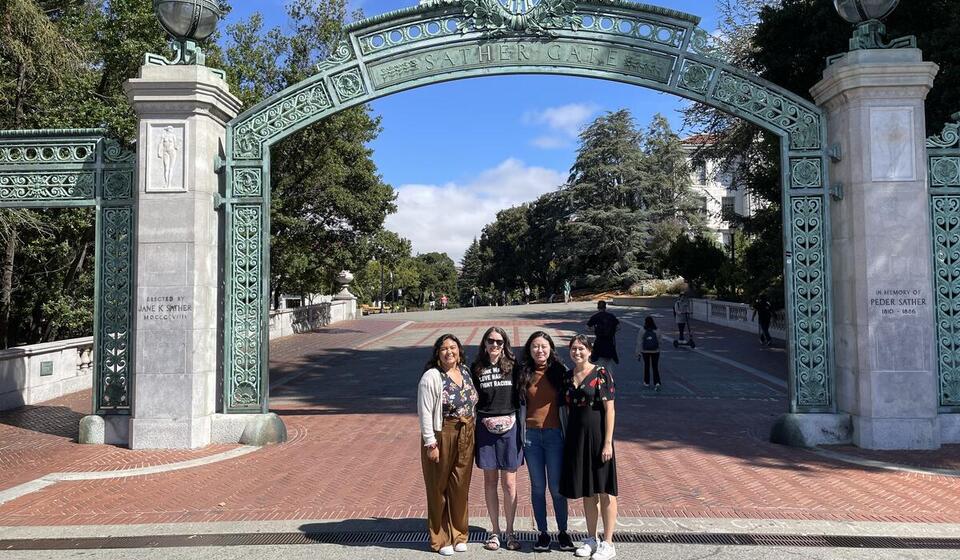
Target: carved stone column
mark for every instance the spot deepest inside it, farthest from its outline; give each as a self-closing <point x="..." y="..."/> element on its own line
<point x="183" y="112"/>
<point x="881" y="250"/>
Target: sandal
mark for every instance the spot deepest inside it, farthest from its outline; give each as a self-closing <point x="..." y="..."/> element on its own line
<point x="512" y="542"/>
<point x="492" y="542"/>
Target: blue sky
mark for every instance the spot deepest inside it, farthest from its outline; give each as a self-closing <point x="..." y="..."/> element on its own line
<point x="458" y="152"/>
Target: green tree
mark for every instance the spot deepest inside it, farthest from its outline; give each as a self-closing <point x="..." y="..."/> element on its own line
<point x="327" y="196"/>
<point x="504" y="249"/>
<point x="699" y="260"/>
<point x="438" y="274"/>
<point x="668" y="196"/>
<point x="608" y="231"/>
<point x="471" y="271"/>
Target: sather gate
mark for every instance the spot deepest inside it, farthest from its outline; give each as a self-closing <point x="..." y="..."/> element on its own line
<point x="646" y="46"/>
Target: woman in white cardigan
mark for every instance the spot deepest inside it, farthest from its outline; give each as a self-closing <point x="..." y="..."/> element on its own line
<point x="446" y="407"/>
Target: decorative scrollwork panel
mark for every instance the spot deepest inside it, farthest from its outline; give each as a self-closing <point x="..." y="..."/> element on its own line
<point x="946" y="254"/>
<point x="47" y="186"/>
<point x="35" y="153"/>
<point x="113" y="337"/>
<point x="245" y="331"/>
<point x="945" y="171"/>
<point x="810" y="324"/>
<point x="771" y="107"/>
<point x="806" y="173"/>
<point x="251" y="134"/>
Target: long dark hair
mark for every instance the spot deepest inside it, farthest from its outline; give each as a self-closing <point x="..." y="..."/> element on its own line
<point x="555" y="368"/>
<point x="648" y="323"/>
<point x="506" y="361"/>
<point x="434" y="361"/>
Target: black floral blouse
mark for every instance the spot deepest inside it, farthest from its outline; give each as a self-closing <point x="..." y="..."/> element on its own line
<point x="596" y="388"/>
<point x="459" y="401"/>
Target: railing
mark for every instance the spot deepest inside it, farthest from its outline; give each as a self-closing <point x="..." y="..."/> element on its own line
<point x="735" y="315"/>
<point x="40" y="372"/>
<point x="309" y="318"/>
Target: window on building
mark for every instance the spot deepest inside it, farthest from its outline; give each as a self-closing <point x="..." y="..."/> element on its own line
<point x="701" y="171"/>
<point x="728" y="208"/>
<point x="701" y="204"/>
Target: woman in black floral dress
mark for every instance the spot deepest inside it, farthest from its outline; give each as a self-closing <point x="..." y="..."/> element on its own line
<point x="589" y="465"/>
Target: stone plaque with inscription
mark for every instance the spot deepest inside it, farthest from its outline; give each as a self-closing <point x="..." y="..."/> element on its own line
<point x="164" y="308"/>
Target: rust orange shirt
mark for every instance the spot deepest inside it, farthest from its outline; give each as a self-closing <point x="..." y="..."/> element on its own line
<point x="542" y="405"/>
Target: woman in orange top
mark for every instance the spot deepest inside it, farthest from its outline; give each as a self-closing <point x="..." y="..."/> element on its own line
<point x="541" y="385"/>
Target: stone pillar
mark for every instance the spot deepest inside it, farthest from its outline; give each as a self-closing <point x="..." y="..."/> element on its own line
<point x="884" y="348"/>
<point x="183" y="112"/>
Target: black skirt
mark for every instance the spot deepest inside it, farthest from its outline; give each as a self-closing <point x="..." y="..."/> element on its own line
<point x="584" y="473"/>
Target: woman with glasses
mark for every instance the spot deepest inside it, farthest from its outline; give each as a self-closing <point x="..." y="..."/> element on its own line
<point x="446" y="404"/>
<point x="499" y="449"/>
<point x="541" y="384"/>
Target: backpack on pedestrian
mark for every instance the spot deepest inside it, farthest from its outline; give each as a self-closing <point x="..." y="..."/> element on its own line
<point x="650" y="342"/>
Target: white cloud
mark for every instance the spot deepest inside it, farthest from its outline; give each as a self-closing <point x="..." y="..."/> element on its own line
<point x="563" y="123"/>
<point x="447" y="217"/>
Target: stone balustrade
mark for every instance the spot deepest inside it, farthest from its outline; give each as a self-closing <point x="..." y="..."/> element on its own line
<point x="286" y="322"/>
<point x="735" y="315"/>
<point x="37" y="373"/>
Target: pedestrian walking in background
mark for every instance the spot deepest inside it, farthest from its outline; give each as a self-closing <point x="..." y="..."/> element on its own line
<point x="763" y="312"/>
<point x="681" y="311"/>
<point x="605" y="327"/>
<point x="566" y="291"/>
<point x="541" y="383"/>
<point x="589" y="461"/>
<point x="446" y="409"/>
<point x="500" y="426"/>
<point x="648" y="350"/>
<point x="443" y="301"/>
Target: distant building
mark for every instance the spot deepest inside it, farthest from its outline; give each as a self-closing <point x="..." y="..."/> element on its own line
<point x="718" y="191"/>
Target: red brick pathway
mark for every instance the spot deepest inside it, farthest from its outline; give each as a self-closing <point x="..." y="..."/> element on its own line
<point x="698" y="449"/>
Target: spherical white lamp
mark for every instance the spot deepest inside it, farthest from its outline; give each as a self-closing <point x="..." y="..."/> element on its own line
<point x="860" y="11"/>
<point x="188" y="21"/>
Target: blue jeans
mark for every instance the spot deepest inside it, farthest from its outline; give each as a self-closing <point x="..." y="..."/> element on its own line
<point x="543" y="451"/>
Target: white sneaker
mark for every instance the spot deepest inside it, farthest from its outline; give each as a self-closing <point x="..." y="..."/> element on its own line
<point x="446" y="551"/>
<point x="605" y="551"/>
<point x="460" y="547"/>
<point x="587" y="549"/>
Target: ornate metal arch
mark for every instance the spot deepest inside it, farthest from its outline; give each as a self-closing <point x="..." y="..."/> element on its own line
<point x="77" y="168"/>
<point x="444" y="40"/>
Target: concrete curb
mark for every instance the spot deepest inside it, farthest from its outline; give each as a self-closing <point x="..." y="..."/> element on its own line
<point x="578" y="524"/>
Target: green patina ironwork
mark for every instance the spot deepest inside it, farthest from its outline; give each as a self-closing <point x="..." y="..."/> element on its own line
<point x="943" y="155"/>
<point x="642" y="45"/>
<point x="83" y="168"/>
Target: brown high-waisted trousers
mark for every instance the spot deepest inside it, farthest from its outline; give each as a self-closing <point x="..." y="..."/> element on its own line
<point x="448" y="483"/>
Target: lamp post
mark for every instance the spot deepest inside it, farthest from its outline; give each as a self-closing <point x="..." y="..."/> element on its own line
<point x="867" y="16"/>
<point x="188" y="21"/>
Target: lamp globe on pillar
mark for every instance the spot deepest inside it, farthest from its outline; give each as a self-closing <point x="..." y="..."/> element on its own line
<point x="188" y="21"/>
<point x="866" y="15"/>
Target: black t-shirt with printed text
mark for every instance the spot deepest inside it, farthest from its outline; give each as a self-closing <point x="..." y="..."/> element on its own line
<point x="497" y="393"/>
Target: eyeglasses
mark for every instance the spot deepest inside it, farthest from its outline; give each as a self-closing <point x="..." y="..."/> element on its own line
<point x="495" y="341"/>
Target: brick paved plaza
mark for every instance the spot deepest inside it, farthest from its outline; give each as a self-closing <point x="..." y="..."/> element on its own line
<point x="698" y="449"/>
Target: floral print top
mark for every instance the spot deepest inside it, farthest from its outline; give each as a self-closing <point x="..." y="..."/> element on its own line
<point x="459" y="401"/>
<point x="596" y="388"/>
